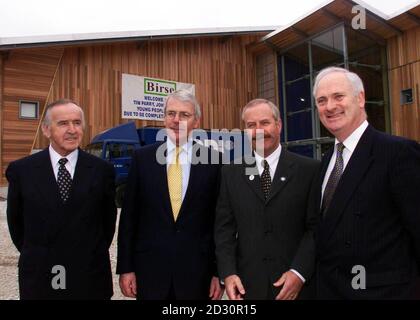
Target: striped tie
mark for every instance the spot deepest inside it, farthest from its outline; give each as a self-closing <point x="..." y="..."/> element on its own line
<point x="175" y="184"/>
<point x="333" y="179"/>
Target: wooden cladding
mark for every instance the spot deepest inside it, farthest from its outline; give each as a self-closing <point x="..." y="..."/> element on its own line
<point x="27" y="75"/>
<point x="221" y="68"/>
<point x="266" y="65"/>
<point x="404" y="49"/>
<point x="404" y="73"/>
<point x="222" y="71"/>
<point x="2" y="56"/>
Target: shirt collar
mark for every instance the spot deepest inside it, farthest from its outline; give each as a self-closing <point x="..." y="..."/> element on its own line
<point x="351" y="142"/>
<point x="185" y="147"/>
<point x="272" y="159"/>
<point x="71" y="157"/>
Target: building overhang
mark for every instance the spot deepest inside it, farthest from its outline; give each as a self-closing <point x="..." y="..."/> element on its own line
<point x="379" y="26"/>
<point x="8" y="43"/>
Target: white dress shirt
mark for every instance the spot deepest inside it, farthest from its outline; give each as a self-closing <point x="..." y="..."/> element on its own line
<point x="273" y="160"/>
<point x="349" y="145"/>
<point x="70" y="165"/>
<point x="185" y="156"/>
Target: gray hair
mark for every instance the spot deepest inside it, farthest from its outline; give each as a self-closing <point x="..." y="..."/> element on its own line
<point x="185" y="96"/>
<point x="253" y="103"/>
<point x="60" y="102"/>
<point x="353" y="78"/>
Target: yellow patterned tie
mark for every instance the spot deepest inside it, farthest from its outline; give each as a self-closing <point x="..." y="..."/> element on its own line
<point x="175" y="184"/>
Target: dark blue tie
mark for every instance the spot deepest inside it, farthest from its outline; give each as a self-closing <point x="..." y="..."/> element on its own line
<point x="63" y="180"/>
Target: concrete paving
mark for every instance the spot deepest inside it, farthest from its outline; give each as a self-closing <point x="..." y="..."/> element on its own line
<point x="8" y="260"/>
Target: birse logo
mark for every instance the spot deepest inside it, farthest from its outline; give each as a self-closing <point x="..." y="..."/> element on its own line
<point x="158" y="87"/>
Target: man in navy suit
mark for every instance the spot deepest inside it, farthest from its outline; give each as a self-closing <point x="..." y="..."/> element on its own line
<point x="368" y="239"/>
<point x="165" y="239"/>
<point x="61" y="213"/>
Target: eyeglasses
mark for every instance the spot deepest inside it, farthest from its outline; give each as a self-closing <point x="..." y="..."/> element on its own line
<point x="182" y="115"/>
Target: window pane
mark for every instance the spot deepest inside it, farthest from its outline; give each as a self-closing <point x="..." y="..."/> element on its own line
<point x="28" y="110"/>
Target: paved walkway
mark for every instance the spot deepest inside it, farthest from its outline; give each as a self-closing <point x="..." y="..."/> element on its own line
<point x="8" y="260"/>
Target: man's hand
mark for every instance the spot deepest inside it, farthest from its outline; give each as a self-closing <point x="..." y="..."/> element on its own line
<point x="234" y="288"/>
<point x="128" y="284"/>
<point x="216" y="290"/>
<point x="292" y="285"/>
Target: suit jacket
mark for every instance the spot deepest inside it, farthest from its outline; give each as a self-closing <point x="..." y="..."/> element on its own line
<point x="162" y="252"/>
<point x="373" y="220"/>
<point x="75" y="235"/>
<point x="259" y="240"/>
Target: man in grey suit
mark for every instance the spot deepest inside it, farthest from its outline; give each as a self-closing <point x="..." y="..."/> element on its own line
<point x="264" y="239"/>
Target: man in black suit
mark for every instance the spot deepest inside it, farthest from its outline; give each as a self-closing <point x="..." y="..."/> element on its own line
<point x="61" y="213"/>
<point x="165" y="240"/>
<point x="264" y="240"/>
<point x="368" y="239"/>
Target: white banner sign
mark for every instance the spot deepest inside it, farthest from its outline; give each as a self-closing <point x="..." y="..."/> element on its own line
<point x="144" y="98"/>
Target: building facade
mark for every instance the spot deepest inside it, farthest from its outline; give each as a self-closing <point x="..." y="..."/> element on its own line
<point x="228" y="69"/>
<point x="385" y="52"/>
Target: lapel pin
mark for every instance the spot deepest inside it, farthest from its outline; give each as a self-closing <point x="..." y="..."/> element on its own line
<point x="251" y="177"/>
<point x="283" y="178"/>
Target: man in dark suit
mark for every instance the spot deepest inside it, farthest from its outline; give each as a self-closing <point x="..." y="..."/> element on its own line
<point x="61" y="213"/>
<point x="368" y="239"/>
<point x="264" y="240"/>
<point x="165" y="240"/>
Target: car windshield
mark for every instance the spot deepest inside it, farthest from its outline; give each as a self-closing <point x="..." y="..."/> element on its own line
<point x="94" y="149"/>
